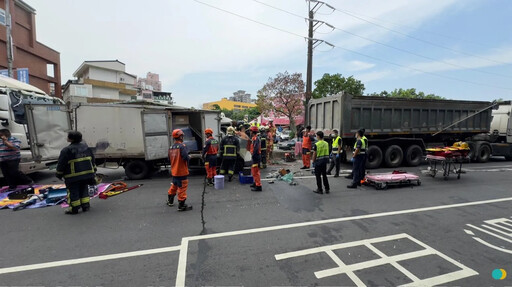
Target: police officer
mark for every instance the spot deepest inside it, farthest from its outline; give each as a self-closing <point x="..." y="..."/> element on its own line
<point x="178" y="156"/>
<point x="320" y="160"/>
<point x="255" y="149"/>
<point x="210" y="150"/>
<point x="336" y="153"/>
<point x="264" y="143"/>
<point x="229" y="148"/>
<point x="358" y="159"/>
<point x="76" y="165"/>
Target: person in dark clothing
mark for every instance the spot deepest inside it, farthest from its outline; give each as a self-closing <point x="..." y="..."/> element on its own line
<point x="76" y="165"/>
<point x="10" y="157"/>
<point x="358" y="159"/>
<point x="229" y="149"/>
<point x="335" y="154"/>
<point x="320" y="160"/>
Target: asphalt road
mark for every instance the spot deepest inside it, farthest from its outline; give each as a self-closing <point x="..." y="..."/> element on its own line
<point x="449" y="232"/>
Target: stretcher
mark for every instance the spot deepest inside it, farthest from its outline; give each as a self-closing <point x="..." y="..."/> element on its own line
<point x="395" y="178"/>
<point x="446" y="165"/>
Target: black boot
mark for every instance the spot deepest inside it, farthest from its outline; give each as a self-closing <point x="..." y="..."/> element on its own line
<point x="252" y="185"/>
<point x="230" y="178"/>
<point x="210" y="182"/>
<point x="170" y="200"/>
<point x="319" y="191"/>
<point x="256" y="188"/>
<point x="182" y="206"/>
<point x="72" y="210"/>
<point x="86" y="207"/>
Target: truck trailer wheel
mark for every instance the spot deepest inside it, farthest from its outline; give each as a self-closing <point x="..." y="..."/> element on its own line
<point x="484" y="153"/>
<point x="373" y="157"/>
<point x="394" y="156"/>
<point x="413" y="155"/>
<point x="136" y="169"/>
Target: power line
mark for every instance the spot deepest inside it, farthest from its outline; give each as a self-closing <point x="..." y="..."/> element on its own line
<point x="387" y="45"/>
<point x="419" y="39"/>
<point x="358" y="53"/>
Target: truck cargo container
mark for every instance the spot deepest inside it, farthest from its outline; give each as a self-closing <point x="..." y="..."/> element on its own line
<point x="399" y="130"/>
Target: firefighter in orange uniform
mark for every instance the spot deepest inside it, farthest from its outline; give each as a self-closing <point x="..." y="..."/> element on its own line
<point x="178" y="155"/>
<point x="210" y="150"/>
<point x="307" y="144"/>
<point x="256" y="159"/>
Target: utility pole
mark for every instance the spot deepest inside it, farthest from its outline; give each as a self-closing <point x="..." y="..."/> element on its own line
<point x="309" y="75"/>
<point x="9" y="39"/>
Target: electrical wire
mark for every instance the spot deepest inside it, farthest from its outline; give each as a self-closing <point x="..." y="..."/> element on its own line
<point x="387" y="45"/>
<point x="358" y="53"/>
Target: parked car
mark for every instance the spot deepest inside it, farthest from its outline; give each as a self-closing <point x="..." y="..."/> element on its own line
<point x="287" y="145"/>
<point x="285" y="135"/>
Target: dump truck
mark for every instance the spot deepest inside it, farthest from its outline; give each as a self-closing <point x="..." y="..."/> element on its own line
<point x="399" y="130"/>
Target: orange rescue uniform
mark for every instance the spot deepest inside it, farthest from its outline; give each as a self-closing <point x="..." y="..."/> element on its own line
<point x="210" y="150"/>
<point x="256" y="159"/>
<point x="307" y="144"/>
<point x="178" y="155"/>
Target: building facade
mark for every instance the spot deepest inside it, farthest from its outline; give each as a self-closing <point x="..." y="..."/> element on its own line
<point x="33" y="62"/>
<point x="241" y="96"/>
<point x="150" y="83"/>
<point x="224" y="103"/>
<point x="101" y="81"/>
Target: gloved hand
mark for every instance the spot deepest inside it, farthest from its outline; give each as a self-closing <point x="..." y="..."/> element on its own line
<point x="352" y="159"/>
<point x="337" y="156"/>
<point x="313" y="165"/>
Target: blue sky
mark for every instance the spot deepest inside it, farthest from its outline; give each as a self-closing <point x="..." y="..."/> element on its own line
<point x="458" y="49"/>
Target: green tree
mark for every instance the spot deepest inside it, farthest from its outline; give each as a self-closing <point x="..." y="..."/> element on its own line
<point x="330" y="85"/>
<point x="408" y="94"/>
<point x="283" y="95"/>
<point x="216" y="107"/>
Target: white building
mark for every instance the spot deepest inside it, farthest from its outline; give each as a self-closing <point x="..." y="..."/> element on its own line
<point x="101" y="81"/>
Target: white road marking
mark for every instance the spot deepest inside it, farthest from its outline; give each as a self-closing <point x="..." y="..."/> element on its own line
<point x="181" y="274"/>
<point x="384" y="259"/>
<point x="490" y="233"/>
<point x="87" y="259"/>
<point x="492" y="246"/>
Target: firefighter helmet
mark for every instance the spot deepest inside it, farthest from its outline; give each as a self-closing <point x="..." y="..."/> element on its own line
<point x="177" y="133"/>
<point x="231" y="131"/>
<point x="208" y="131"/>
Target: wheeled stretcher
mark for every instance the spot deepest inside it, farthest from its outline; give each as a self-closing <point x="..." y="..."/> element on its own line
<point x="397" y="178"/>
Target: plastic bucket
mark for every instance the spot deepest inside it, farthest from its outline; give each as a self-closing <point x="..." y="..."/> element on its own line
<point x="219" y="182"/>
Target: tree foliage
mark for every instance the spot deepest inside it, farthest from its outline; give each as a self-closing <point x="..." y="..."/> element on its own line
<point x="330" y="85"/>
<point x="282" y="95"/>
<point x="408" y="94"/>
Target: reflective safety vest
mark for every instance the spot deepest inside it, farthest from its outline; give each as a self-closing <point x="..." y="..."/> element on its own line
<point x="229" y="147"/>
<point x="364" y="144"/>
<point x="211" y="146"/>
<point x="335" y="144"/>
<point x="178" y="155"/>
<point x="322" y="149"/>
<point x="263" y="143"/>
<point x="306" y="141"/>
<point x="76" y="163"/>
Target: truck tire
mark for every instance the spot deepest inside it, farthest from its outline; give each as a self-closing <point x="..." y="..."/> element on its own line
<point x="373" y="157"/>
<point x="484" y="153"/>
<point x="413" y="155"/>
<point x="394" y="156"/>
<point x="136" y="169"/>
<point x="472" y="151"/>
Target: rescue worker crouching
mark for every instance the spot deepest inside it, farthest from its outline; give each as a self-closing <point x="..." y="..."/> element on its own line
<point x="229" y="149"/>
<point x="255" y="149"/>
<point x="210" y="150"/>
<point x="76" y="166"/>
<point x="178" y="156"/>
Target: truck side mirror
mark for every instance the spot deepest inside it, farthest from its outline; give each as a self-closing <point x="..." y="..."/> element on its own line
<point x="5" y="122"/>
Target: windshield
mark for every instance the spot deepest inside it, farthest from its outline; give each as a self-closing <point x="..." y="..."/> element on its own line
<point x="19" y="100"/>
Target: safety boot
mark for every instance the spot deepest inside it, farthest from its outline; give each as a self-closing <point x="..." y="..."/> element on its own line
<point x="182" y="206"/>
<point x="86" y="207"/>
<point x="210" y="182"/>
<point x="256" y="188"/>
<point x="72" y="210"/>
<point x="170" y="200"/>
<point x="230" y="178"/>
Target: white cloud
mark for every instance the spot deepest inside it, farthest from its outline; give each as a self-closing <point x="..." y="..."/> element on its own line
<point x="359" y="66"/>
